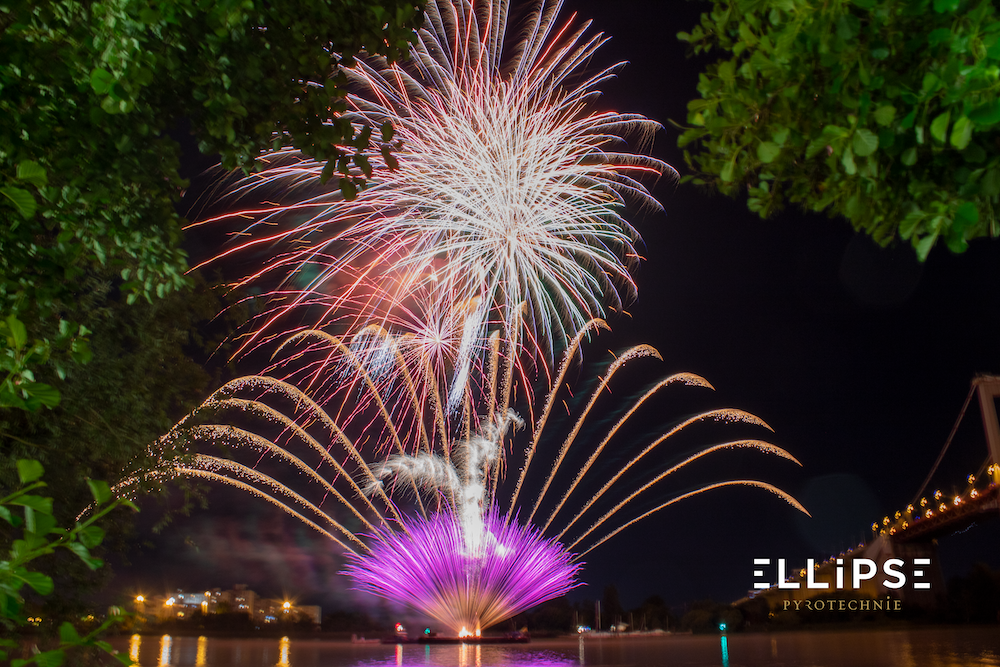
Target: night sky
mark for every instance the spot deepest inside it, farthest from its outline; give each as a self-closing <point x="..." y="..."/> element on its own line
<point x="857" y="356"/>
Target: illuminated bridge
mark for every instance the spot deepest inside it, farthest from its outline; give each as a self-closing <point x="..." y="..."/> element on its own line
<point x="910" y="534"/>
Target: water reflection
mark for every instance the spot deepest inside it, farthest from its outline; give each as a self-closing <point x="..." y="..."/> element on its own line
<point x="927" y="647"/>
<point x="466" y="655"/>
<point x="166" y="641"/>
<point x="283" y="653"/>
<point x="469" y="655"/>
<point x="134" y="642"/>
<point x="200" y="657"/>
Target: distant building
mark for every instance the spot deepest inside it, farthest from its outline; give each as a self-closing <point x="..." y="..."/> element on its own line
<point x="240" y="599"/>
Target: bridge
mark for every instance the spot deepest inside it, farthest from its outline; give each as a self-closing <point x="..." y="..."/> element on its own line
<point x="909" y="534"/>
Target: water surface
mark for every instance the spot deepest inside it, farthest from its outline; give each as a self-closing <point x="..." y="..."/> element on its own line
<point x="923" y="647"/>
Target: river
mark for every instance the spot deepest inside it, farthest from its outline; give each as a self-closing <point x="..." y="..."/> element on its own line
<point x="918" y="647"/>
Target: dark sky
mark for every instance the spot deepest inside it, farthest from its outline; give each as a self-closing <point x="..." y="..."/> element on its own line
<point x="857" y="356"/>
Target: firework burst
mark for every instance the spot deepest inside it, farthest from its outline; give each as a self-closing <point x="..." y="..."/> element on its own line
<point x="509" y="192"/>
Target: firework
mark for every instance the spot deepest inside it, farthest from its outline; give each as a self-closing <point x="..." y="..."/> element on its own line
<point x="421" y="308"/>
<point x="507" y="203"/>
<point x="393" y="509"/>
<point x="429" y="568"/>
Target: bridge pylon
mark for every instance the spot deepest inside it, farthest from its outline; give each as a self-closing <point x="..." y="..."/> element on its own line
<point x="988" y="388"/>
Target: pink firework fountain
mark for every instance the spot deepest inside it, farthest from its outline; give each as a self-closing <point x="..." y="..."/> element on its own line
<point x="430" y="569"/>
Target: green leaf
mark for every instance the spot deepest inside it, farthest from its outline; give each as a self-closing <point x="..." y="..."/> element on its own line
<point x="28" y="470"/>
<point x="853" y="208"/>
<point x="909" y="156"/>
<point x="939" y="126"/>
<point x="967" y="215"/>
<point x="930" y="83"/>
<point x="45" y="394"/>
<point x="847" y="159"/>
<point x="974" y="153"/>
<point x="727" y="71"/>
<point x="989" y="186"/>
<point x="780" y="136"/>
<point x="816" y="145"/>
<point x="865" y="142"/>
<point x="938" y="36"/>
<point x="43" y="523"/>
<point x="986" y="114"/>
<point x="909" y="223"/>
<point x="80" y="351"/>
<point x="925" y="245"/>
<point x="37" y="503"/>
<point x="84" y="554"/>
<point x="50" y="658"/>
<point x="885" y="114"/>
<point x="23" y="200"/>
<point x="33" y="173"/>
<point x="767" y="151"/>
<point x="726" y="174"/>
<point x="101" y="81"/>
<point x="390" y="159"/>
<point x="328" y="170"/>
<point x="961" y="133"/>
<point x="100" y="491"/>
<point x="91" y="536"/>
<point x="957" y="244"/>
<point x="68" y="634"/>
<point x="362" y="163"/>
<point x="41" y="583"/>
<point x="348" y="189"/>
<point x="388" y="131"/>
<point x="942" y="6"/>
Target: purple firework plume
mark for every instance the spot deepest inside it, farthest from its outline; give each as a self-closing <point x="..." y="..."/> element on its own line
<point x="428" y="568"/>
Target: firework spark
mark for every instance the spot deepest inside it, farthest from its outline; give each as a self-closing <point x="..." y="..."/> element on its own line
<point x="510" y="192"/>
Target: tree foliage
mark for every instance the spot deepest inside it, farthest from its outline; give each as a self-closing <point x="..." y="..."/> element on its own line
<point x="89" y="90"/>
<point x="886" y="112"/>
<point x="41" y="536"/>
<point x="147" y="371"/>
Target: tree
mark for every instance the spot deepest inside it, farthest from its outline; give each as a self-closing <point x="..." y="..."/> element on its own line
<point x="611" y="606"/>
<point x="885" y="112"/>
<point x="40" y="537"/>
<point x="90" y="89"/>
<point x="147" y="371"/>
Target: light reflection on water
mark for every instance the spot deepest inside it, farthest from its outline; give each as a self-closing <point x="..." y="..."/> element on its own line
<point x="925" y="647"/>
